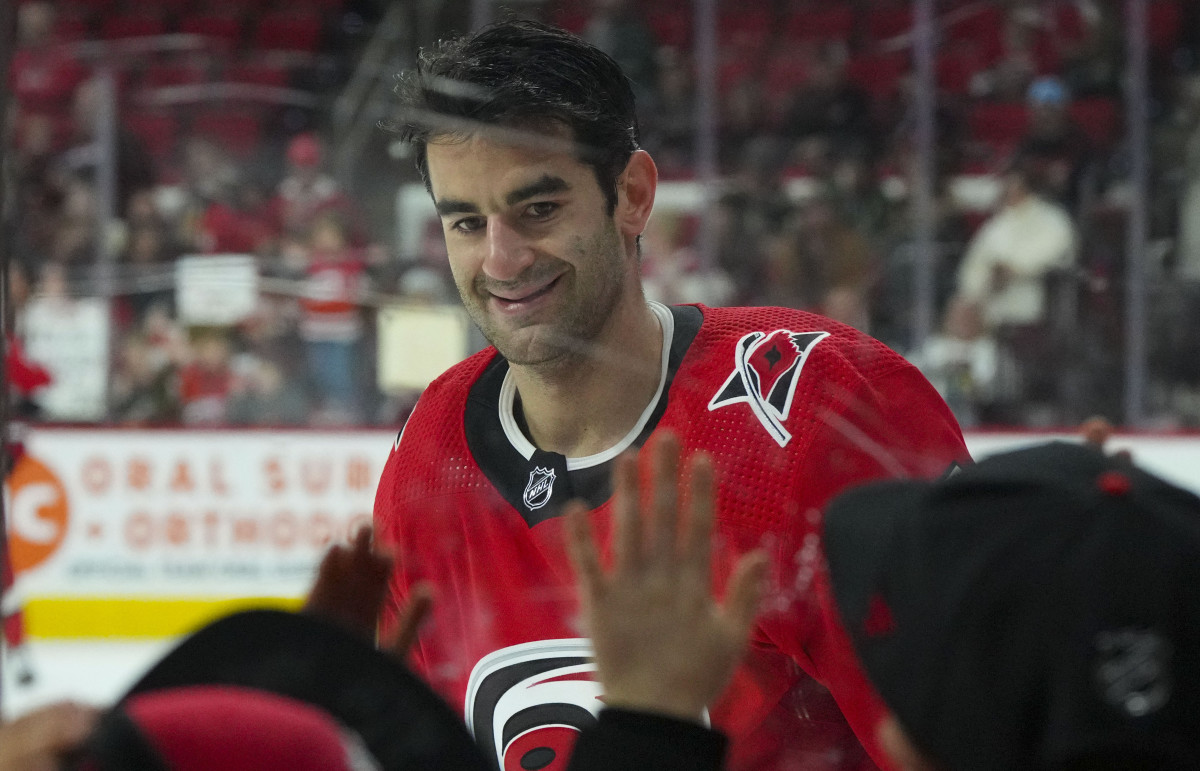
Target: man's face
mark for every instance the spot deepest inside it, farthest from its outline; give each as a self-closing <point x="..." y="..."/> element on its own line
<point x="539" y="263"/>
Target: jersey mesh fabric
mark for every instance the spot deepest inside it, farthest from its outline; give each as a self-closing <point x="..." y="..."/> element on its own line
<point x="858" y="412"/>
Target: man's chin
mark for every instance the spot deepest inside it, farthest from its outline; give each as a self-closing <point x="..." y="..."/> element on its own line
<point x="538" y="346"/>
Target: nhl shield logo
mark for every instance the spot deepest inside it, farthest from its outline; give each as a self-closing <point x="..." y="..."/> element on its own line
<point x="540" y="487"/>
<point x="766" y="370"/>
<point x="1133" y="670"/>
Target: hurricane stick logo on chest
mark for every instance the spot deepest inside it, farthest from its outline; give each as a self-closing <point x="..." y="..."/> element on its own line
<point x="540" y="487"/>
<point x="766" y="369"/>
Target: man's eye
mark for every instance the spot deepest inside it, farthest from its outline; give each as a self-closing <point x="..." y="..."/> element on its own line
<point x="467" y="224"/>
<point x="542" y="209"/>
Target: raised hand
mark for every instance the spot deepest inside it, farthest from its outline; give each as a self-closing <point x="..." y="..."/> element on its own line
<point x="350" y="588"/>
<point x="663" y="642"/>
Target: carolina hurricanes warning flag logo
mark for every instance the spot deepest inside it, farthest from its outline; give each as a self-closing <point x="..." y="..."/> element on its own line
<point x="766" y="369"/>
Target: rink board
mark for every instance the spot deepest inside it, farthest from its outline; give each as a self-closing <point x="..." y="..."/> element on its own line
<point x="148" y="534"/>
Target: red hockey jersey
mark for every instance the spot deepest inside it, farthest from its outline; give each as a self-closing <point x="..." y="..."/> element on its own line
<point x="793" y="407"/>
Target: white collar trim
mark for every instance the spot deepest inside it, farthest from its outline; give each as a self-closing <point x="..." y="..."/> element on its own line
<point x="521" y="443"/>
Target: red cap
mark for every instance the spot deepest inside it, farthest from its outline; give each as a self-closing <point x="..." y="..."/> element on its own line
<point x="234" y="728"/>
<point x="304" y="150"/>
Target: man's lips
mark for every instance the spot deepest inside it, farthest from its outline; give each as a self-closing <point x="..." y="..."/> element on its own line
<point x="525" y="294"/>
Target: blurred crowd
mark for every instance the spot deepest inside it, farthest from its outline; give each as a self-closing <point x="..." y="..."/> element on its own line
<point x="814" y="209"/>
<point x="253" y="181"/>
<point x="1030" y="211"/>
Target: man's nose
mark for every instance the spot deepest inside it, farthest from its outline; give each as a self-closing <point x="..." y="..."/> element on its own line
<point x="508" y="252"/>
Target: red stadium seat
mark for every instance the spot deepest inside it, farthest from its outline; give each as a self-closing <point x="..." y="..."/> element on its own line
<point x="165" y="75"/>
<point x="239" y="133"/>
<point x="286" y="31"/>
<point x="744" y="28"/>
<point x="1068" y="22"/>
<point x="70" y="28"/>
<point x="85" y="7"/>
<point x="257" y="74"/>
<point x="879" y="75"/>
<point x="570" y="18"/>
<point x="957" y="67"/>
<point x="136" y="25"/>
<point x="787" y="70"/>
<point x="977" y="24"/>
<point x="999" y="124"/>
<point x="734" y="69"/>
<point x="226" y="29"/>
<point x="884" y="23"/>
<point x="1164" y="22"/>
<point x="671" y="27"/>
<point x="156" y="130"/>
<point x="833" y="22"/>
<point x="1099" y="118"/>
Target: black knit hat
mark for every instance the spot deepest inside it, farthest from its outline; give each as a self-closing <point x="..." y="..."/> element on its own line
<point x="287" y="672"/>
<point x="1037" y="609"/>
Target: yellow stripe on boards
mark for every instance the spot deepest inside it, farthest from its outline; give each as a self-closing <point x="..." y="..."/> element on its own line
<point x="134" y="618"/>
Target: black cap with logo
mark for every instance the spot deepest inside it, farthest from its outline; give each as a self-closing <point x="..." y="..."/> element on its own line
<point x="1038" y="610"/>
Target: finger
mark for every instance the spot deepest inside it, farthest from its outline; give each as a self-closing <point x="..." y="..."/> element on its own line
<point x="698" y="545"/>
<point x="581" y="545"/>
<point x="361" y="543"/>
<point x="325" y="585"/>
<point x="412" y="615"/>
<point x="1096" y="431"/>
<point x="627" y="526"/>
<point x="745" y="591"/>
<point x="665" y="496"/>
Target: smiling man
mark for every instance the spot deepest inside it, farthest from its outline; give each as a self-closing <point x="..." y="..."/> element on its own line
<point x="527" y="140"/>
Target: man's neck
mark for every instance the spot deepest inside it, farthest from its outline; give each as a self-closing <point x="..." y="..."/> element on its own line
<point x="588" y="406"/>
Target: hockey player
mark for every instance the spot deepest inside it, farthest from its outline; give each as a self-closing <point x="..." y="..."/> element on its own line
<point x="528" y="143"/>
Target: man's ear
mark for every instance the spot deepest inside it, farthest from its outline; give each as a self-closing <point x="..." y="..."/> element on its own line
<point x="635" y="194"/>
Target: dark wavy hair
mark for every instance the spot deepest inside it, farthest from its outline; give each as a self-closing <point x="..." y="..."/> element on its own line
<point x="528" y="76"/>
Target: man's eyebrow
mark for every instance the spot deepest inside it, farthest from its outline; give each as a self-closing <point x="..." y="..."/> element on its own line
<point x="547" y="185"/>
<point x="448" y="206"/>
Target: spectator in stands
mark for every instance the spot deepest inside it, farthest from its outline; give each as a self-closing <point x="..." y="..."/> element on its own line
<point x="263" y="396"/>
<point x="144" y="389"/>
<point x="820" y="264"/>
<point x="42" y="75"/>
<point x="1092" y="63"/>
<point x="743" y="120"/>
<point x="209" y="176"/>
<point x="239" y="222"/>
<point x="1055" y="150"/>
<point x="754" y="208"/>
<point x="332" y="324"/>
<point x="135" y="169"/>
<point x="618" y="29"/>
<point x="1034" y="611"/>
<point x="1008" y="261"/>
<point x="668" y="127"/>
<point x="831" y="111"/>
<point x="672" y="269"/>
<point x="966" y="365"/>
<point x="308" y="191"/>
<point x="206" y="382"/>
<point x="1018" y="53"/>
<point x="853" y="190"/>
<point x="73" y="239"/>
<point x="1015" y="272"/>
<point x="147" y="258"/>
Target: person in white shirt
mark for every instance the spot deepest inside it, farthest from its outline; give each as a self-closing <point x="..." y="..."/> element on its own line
<point x="1004" y="271"/>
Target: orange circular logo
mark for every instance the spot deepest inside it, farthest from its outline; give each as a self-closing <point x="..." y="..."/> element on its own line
<point x="37" y="513"/>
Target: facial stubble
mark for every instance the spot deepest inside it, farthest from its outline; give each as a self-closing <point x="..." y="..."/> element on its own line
<point x="595" y="279"/>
